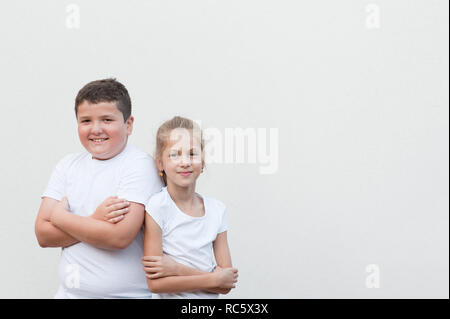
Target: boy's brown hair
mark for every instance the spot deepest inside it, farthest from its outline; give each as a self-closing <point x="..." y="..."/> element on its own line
<point x="106" y="90"/>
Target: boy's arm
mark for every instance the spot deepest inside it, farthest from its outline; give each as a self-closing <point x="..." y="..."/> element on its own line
<point x="153" y="247"/>
<point x="46" y="233"/>
<point x="100" y="233"/>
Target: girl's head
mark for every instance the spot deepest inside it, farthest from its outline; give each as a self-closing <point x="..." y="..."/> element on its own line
<point x="179" y="151"/>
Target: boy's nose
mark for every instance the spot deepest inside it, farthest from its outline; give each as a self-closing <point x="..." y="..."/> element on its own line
<point x="96" y="128"/>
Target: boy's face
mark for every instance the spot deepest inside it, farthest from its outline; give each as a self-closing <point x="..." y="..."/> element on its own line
<point x="102" y="130"/>
<point x="182" y="158"/>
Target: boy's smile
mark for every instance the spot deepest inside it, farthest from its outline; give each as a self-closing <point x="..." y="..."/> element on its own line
<point x="102" y="129"/>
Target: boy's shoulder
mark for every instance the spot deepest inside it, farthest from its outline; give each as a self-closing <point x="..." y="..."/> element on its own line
<point x="132" y="152"/>
<point x="68" y="160"/>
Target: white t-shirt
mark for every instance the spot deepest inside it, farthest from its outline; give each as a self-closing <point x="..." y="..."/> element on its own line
<point x="86" y="271"/>
<point x="187" y="239"/>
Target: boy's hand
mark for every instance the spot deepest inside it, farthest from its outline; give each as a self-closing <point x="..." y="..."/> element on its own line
<point x="226" y="277"/>
<point x="159" y="266"/>
<point x="112" y="209"/>
<point x="58" y="208"/>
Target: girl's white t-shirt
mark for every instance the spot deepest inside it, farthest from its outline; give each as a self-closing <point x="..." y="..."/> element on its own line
<point x="86" y="271"/>
<point x="187" y="239"/>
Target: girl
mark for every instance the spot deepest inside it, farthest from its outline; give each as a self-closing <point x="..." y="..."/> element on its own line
<point x="183" y="224"/>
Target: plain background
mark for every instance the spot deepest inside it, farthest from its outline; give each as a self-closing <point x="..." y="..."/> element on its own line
<point x="362" y="115"/>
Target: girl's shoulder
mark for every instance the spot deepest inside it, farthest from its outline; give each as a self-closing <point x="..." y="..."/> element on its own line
<point x="215" y="204"/>
<point x="158" y="200"/>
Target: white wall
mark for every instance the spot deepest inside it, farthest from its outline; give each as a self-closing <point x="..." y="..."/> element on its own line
<point x="358" y="91"/>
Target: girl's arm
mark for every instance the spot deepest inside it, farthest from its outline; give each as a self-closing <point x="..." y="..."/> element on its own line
<point x="223" y="258"/>
<point x="173" y="284"/>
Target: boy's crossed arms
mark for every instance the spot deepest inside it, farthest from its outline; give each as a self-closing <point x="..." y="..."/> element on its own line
<point x="106" y="228"/>
<point x="57" y="227"/>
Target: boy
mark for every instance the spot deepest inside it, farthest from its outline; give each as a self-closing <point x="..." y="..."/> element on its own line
<point x="102" y="240"/>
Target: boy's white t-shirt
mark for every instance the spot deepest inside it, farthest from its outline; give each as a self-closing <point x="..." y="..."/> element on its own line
<point x="86" y="271"/>
<point x="187" y="239"/>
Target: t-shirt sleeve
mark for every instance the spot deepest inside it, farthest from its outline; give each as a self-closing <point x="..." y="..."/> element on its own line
<point x="56" y="187"/>
<point x="223" y="222"/>
<point x="154" y="209"/>
<point x="139" y="180"/>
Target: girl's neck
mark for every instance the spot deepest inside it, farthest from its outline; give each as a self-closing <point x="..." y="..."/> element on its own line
<point x="182" y="195"/>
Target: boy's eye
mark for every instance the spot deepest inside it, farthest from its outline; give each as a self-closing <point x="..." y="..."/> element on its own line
<point x="173" y="155"/>
<point x="84" y="121"/>
<point x="108" y="120"/>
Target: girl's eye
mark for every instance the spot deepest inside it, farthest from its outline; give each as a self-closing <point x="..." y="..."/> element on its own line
<point x="173" y="155"/>
<point x="84" y="121"/>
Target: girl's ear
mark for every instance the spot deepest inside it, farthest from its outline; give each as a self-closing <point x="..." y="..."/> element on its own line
<point x="159" y="163"/>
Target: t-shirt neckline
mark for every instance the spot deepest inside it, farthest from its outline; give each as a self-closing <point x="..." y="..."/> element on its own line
<point x="109" y="160"/>
<point x="183" y="213"/>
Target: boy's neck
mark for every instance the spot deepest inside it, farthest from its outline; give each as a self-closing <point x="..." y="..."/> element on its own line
<point x="106" y="159"/>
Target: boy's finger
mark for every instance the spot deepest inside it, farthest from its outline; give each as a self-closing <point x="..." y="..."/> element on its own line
<point x="112" y="197"/>
<point x="117" y="205"/>
<point x="117" y="213"/>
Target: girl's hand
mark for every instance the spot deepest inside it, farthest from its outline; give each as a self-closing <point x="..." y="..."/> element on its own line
<point x="159" y="266"/>
<point x="112" y="209"/>
<point x="226" y="277"/>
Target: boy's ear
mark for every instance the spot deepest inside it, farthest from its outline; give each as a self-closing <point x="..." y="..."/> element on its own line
<point x="129" y="124"/>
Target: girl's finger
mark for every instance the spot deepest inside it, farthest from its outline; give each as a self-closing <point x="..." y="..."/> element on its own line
<point x="151" y="258"/>
<point x="149" y="270"/>
<point x="150" y="264"/>
<point x="152" y="269"/>
<point x="154" y="276"/>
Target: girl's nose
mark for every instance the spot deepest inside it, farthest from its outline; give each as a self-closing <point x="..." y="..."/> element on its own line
<point x="185" y="160"/>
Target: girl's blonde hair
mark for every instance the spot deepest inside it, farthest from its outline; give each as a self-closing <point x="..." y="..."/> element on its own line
<point x="167" y="127"/>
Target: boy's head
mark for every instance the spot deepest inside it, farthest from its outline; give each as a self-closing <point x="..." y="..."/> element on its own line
<point x="103" y="111"/>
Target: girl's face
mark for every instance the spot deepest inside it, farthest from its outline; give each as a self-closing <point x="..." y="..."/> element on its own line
<point x="182" y="158"/>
